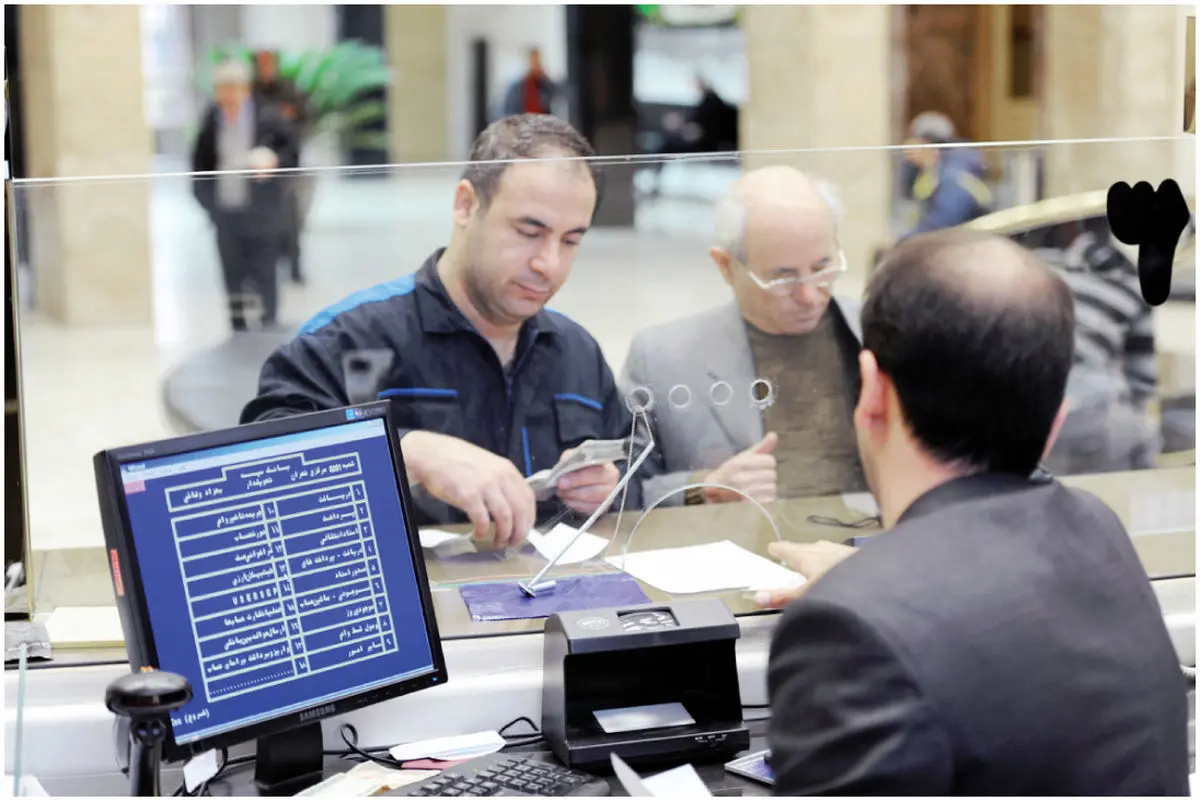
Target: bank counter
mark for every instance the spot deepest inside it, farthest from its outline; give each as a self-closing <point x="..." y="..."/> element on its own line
<point x="67" y="733"/>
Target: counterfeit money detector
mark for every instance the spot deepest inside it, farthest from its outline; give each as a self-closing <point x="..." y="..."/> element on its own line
<point x="650" y="683"/>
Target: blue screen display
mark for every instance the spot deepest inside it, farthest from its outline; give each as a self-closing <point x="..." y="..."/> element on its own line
<point x="278" y="574"/>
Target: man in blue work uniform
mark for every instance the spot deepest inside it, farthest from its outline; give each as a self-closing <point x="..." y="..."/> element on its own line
<point x="490" y="386"/>
<point x="948" y="183"/>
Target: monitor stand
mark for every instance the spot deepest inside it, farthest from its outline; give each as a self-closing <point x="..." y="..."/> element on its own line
<point x="290" y="761"/>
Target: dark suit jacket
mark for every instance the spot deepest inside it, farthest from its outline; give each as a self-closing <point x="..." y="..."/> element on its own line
<point x="1002" y="639"/>
<point x="266" y="196"/>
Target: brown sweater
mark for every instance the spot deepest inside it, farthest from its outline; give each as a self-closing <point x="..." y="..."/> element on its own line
<point x="816" y="381"/>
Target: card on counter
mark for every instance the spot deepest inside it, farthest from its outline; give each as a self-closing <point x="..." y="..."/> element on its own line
<point x="505" y="601"/>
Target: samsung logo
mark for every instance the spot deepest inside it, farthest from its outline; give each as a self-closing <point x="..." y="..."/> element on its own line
<point x="319" y="712"/>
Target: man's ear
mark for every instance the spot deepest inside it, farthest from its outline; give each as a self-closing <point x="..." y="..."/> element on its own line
<point x="1056" y="427"/>
<point x="465" y="202"/>
<point x="872" y="398"/>
<point x="723" y="260"/>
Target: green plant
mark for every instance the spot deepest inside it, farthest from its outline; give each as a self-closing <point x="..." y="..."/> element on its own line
<point x="336" y="84"/>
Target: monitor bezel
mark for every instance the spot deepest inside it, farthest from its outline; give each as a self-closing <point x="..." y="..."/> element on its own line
<point x="139" y="635"/>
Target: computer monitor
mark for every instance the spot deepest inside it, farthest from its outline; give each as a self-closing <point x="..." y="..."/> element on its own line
<point x="277" y="567"/>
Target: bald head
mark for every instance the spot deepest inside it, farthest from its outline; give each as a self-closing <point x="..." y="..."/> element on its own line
<point x="977" y="337"/>
<point x="764" y="201"/>
<point x="986" y="273"/>
<point x="777" y="248"/>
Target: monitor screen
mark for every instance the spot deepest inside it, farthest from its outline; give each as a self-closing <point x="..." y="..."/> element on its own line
<point x="278" y="573"/>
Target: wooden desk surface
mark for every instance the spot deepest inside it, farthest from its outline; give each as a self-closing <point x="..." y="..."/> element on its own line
<point x="1165" y="553"/>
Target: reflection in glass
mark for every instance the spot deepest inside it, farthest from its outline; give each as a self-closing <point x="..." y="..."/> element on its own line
<point x="632" y="290"/>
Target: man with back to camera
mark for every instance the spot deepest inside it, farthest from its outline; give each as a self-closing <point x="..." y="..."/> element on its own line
<point x="1002" y="637"/>
<point x="491" y="387"/>
<point x="758" y="394"/>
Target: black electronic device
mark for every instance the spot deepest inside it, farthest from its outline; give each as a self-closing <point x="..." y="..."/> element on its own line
<point x="146" y="700"/>
<point x="650" y="683"/>
<point x="507" y="775"/>
<point x="277" y="567"/>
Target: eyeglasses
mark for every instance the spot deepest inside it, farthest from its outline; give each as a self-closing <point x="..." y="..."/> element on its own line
<point x="786" y="285"/>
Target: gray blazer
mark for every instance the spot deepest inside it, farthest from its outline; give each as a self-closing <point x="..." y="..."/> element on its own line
<point x="699" y="373"/>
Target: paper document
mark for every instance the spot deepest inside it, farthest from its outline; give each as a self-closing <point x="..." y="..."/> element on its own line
<point x="553" y="542"/>
<point x="641" y="718"/>
<point x="680" y="782"/>
<point x="706" y="568"/>
<point x="463" y="746"/>
<point x="365" y="779"/>
<point x="30" y="787"/>
<point x="199" y="769"/>
<point x="85" y="627"/>
<point x="861" y="502"/>
<point x="433" y="537"/>
<point x="1162" y="512"/>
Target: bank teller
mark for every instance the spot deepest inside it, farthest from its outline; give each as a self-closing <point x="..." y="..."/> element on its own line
<point x="1002" y="637"/>
<point x="492" y="386"/>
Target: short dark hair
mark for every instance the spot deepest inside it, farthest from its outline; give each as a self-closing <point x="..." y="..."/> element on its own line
<point x="977" y="336"/>
<point x="522" y="136"/>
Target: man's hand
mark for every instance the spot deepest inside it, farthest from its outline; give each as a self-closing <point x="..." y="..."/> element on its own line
<point x="487" y="487"/>
<point x="584" y="490"/>
<point x="811" y="560"/>
<point x="752" y="471"/>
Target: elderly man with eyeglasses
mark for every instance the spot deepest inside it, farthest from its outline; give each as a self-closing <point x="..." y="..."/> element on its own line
<point x="758" y="395"/>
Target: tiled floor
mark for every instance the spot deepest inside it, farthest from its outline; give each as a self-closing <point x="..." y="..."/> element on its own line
<point x="86" y="390"/>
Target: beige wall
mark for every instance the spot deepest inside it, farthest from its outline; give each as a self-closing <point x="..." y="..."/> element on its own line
<point x="82" y="100"/>
<point x="1112" y="71"/>
<point x="415" y="38"/>
<point x="820" y="77"/>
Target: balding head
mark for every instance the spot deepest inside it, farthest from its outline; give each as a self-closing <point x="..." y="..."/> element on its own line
<point x="977" y="337"/>
<point x="777" y="224"/>
<point x="763" y="200"/>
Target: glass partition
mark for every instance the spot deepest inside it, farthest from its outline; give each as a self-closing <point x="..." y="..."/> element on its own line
<point x="131" y="294"/>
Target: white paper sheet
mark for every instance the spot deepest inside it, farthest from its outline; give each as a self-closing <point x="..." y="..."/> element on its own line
<point x="365" y="779"/>
<point x="433" y="537"/>
<point x="462" y="746"/>
<point x="707" y="568"/>
<point x="199" y="769"/>
<point x="85" y="627"/>
<point x="640" y="718"/>
<point x="1162" y="512"/>
<point x="861" y="502"/>
<point x="553" y="542"/>
<point x="680" y="782"/>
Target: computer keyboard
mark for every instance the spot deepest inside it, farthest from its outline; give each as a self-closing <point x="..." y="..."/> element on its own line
<point x="507" y="775"/>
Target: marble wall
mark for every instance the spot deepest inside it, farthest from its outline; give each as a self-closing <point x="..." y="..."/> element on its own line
<point x="83" y="101"/>
<point x="820" y="77"/>
<point x="415" y="37"/>
<point x="1112" y="71"/>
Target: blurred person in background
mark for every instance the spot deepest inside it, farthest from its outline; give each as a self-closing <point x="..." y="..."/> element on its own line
<point x="249" y="211"/>
<point x="532" y="93"/>
<point x="1115" y="372"/>
<point x="271" y="88"/>
<point x="711" y="126"/>
<point x="758" y="394"/>
<point x="490" y="386"/>
<point x="948" y="184"/>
